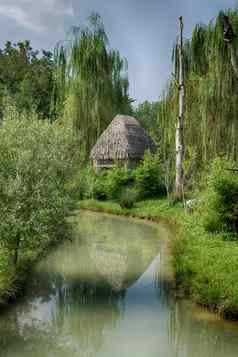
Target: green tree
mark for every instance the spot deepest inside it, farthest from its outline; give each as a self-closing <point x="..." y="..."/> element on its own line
<point x="91" y="81"/>
<point x="211" y="98"/>
<point x="26" y="77"/>
<point x="147" y="113"/>
<point x="37" y="163"/>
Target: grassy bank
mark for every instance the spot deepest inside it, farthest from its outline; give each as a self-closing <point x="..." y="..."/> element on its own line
<point x="154" y="210"/>
<point x="206" y="264"/>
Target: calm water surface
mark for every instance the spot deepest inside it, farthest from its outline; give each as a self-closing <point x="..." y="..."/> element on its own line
<point x="108" y="293"/>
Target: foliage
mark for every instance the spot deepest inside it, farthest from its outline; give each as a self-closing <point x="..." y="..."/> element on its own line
<point x="221" y="203"/>
<point x="147" y="180"/>
<point x="146" y="113"/>
<point x="128" y="198"/>
<point x="100" y="191"/>
<point x="159" y="119"/>
<point x="109" y="184"/>
<point x="206" y="267"/>
<point x="91" y="81"/>
<point x="37" y="160"/>
<point x="154" y="210"/>
<point x="85" y="183"/>
<point x="26" y="77"/>
<point x="149" y="177"/>
<point x="211" y="98"/>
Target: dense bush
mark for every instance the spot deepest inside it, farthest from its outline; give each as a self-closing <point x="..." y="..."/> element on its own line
<point x="36" y="165"/>
<point x="85" y="183"/>
<point x="128" y="198"/>
<point x="149" y="177"/>
<point x="147" y="180"/>
<point x="109" y="184"/>
<point x="220" y="210"/>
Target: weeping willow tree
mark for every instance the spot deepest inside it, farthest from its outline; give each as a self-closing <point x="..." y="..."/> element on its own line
<point x="91" y="81"/>
<point x="211" y="97"/>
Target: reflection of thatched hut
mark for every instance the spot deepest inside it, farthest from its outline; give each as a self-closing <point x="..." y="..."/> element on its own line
<point x="124" y="142"/>
<point x="121" y="269"/>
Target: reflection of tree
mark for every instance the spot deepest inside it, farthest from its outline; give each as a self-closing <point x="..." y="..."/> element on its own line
<point x="200" y="333"/>
<point x="165" y="281"/>
<point x="77" y="293"/>
<point x="79" y="310"/>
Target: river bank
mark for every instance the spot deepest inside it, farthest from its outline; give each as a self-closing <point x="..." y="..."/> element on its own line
<point x="206" y="265"/>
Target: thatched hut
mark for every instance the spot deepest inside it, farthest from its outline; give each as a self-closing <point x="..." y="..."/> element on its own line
<point x="123" y="143"/>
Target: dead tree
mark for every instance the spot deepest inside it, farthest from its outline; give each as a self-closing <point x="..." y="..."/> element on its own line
<point x="229" y="36"/>
<point x="229" y="39"/>
<point x="179" y="183"/>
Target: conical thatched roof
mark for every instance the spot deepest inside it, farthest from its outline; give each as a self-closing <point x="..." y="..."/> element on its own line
<point x="123" y="139"/>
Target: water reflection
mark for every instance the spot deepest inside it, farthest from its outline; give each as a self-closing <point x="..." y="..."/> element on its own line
<point x="109" y="293"/>
<point x="196" y="332"/>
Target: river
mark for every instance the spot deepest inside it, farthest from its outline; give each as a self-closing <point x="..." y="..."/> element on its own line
<point x="109" y="293"/>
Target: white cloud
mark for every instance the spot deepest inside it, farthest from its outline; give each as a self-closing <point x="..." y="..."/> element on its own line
<point x="39" y="16"/>
<point x="20" y="16"/>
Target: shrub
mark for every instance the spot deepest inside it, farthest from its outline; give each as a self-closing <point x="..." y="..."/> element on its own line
<point x="128" y="198"/>
<point x="37" y="162"/>
<point x="109" y="184"/>
<point x="149" y="178"/>
<point x="220" y="212"/>
<point x="85" y="183"/>
<point x="100" y="186"/>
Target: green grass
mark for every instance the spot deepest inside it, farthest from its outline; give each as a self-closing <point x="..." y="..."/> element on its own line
<point x="206" y="265"/>
<point x="154" y="210"/>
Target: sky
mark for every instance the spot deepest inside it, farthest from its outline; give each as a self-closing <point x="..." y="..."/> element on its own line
<point x="144" y="31"/>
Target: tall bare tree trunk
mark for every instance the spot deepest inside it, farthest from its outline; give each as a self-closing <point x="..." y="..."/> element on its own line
<point x="180" y="123"/>
<point x="234" y="60"/>
<point x="229" y="36"/>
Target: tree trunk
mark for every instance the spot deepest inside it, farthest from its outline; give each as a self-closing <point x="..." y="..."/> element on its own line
<point x="234" y="60"/>
<point x="228" y="37"/>
<point x="179" y="129"/>
<point x="15" y="250"/>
